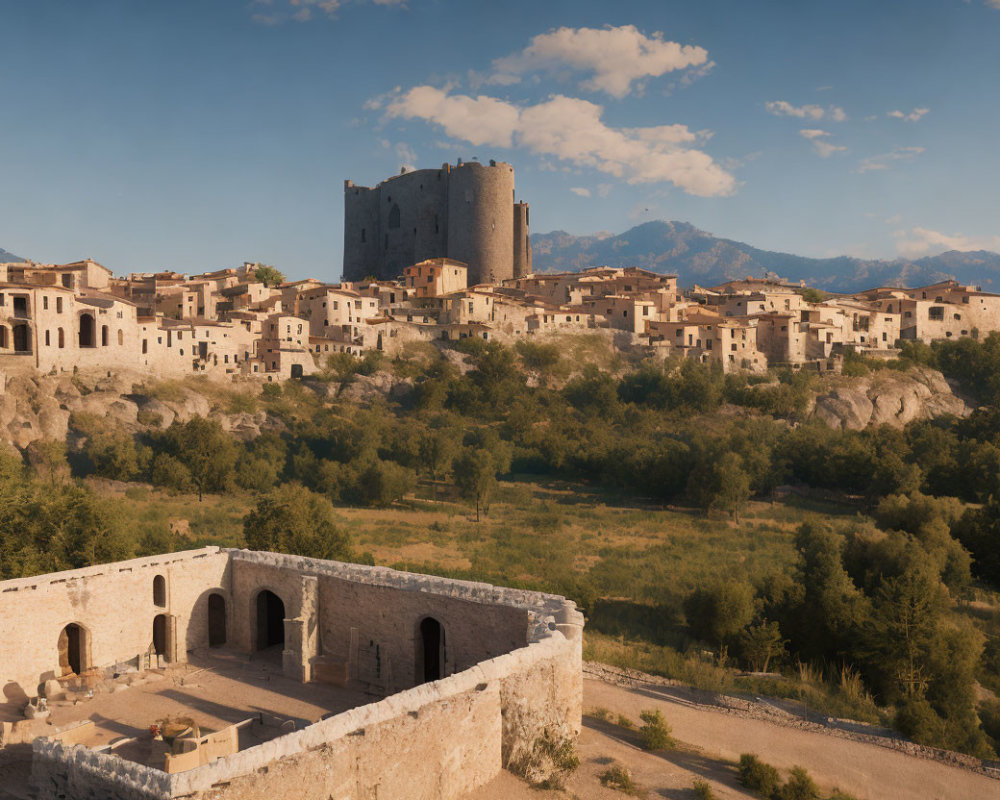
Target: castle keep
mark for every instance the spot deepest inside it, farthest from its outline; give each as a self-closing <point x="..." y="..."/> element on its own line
<point x="466" y="212"/>
<point x="238" y="674"/>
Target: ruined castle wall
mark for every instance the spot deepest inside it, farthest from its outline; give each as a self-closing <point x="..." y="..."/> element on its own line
<point x="435" y="741"/>
<point x="114" y="604"/>
<point x="481" y="220"/>
<point x="374" y="623"/>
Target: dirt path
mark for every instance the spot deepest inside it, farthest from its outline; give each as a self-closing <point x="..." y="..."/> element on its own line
<point x="710" y="740"/>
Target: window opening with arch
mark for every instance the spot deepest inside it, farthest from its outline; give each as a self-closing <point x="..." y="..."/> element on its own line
<point x="160" y="591"/>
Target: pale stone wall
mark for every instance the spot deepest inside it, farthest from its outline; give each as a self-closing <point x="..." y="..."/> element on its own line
<point x="435" y="741"/>
<point x="114" y="604"/>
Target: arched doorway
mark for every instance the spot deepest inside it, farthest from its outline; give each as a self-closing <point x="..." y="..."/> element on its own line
<point x="73" y="645"/>
<point x="270" y="620"/>
<point x="216" y="620"/>
<point x="160" y="635"/>
<point x="86" y="330"/>
<point x="430" y="650"/>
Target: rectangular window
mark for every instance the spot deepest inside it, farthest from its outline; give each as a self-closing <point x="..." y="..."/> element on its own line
<point x="45" y="304"/>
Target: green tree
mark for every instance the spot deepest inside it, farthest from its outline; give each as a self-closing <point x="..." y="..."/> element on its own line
<point x="761" y="643"/>
<point x="720" y="611"/>
<point x="268" y="275"/>
<point x="292" y="519"/>
<point x="476" y="477"/>
<point x="206" y="450"/>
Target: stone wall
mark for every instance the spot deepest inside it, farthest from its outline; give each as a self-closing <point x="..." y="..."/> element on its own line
<point x="114" y="604"/>
<point x="434" y="741"/>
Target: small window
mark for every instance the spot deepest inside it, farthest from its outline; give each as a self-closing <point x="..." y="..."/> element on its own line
<point x="45" y="304"/>
<point x="160" y="591"/>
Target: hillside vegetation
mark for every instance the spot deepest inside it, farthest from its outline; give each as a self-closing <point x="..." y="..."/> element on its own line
<point x="629" y="488"/>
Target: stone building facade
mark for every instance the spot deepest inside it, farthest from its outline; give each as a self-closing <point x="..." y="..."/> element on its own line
<point x="465" y="212"/>
<point x="464" y="676"/>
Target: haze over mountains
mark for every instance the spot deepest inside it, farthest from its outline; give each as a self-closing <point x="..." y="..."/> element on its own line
<point x="699" y="257"/>
<point x="6" y="256"/>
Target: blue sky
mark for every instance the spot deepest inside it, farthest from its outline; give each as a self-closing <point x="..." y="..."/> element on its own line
<point x="194" y="135"/>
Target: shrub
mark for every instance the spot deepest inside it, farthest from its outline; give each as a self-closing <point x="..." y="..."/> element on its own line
<point x="625" y="722"/>
<point x="757" y="776"/>
<point x="655" y="732"/>
<point x="799" y="786"/>
<point x="603" y="714"/>
<point x="619" y="778"/>
<point x="547" y="763"/>
<point x="703" y="791"/>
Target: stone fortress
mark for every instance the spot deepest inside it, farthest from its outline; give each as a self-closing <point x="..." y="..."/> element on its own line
<point x="467" y="213"/>
<point x="238" y="674"/>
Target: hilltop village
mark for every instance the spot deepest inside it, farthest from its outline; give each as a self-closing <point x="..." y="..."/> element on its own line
<point x="54" y="318"/>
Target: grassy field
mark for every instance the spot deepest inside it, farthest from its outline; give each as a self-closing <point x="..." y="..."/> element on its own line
<point x="627" y="562"/>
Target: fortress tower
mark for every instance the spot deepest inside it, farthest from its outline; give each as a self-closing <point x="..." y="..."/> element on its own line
<point x="466" y="212"/>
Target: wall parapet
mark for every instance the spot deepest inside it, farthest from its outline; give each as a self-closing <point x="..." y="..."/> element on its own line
<point x="114" y="568"/>
<point x="546" y="611"/>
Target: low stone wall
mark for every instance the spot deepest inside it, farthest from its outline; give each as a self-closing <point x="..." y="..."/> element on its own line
<point x="433" y="742"/>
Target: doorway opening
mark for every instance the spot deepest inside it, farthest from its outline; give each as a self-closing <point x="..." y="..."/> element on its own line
<point x="431" y="652"/>
<point x="72" y="646"/>
<point x="270" y="620"/>
<point x="216" y="620"/>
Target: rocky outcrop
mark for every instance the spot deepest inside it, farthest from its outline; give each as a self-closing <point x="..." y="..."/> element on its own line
<point x="888" y="397"/>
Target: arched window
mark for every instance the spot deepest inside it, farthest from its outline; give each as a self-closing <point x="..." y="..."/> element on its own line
<point x="86" y="330"/>
<point x="104" y="336"/>
<point x="394" y="217"/>
<point x="62" y="338"/>
<point x="121" y="337"/>
<point x="160" y="591"/>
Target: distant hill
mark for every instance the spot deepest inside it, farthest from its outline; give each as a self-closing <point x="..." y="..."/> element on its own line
<point x="699" y="257"/>
<point x="5" y="256"/>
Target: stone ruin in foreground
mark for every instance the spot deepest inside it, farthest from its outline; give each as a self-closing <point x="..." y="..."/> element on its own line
<point x="235" y="674"/>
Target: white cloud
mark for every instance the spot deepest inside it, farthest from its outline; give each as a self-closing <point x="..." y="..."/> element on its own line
<point x="918" y="242"/>
<point x="885" y="160"/>
<point x="993" y="3"/>
<point x="279" y="11"/>
<point x="914" y="115"/>
<point x="782" y="108"/>
<point x="580" y="191"/>
<point x="477" y="120"/>
<point x="616" y="57"/>
<point x="823" y="148"/>
<point x="572" y="130"/>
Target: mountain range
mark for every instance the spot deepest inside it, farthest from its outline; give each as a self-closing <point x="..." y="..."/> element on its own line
<point x="5" y="256"/>
<point x="699" y="257"/>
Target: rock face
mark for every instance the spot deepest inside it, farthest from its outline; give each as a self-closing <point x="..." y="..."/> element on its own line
<point x="888" y="397"/>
